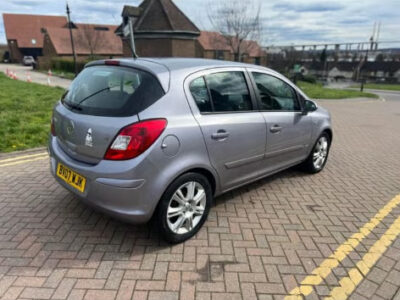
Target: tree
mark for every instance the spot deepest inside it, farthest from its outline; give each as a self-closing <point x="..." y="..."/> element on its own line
<point x="92" y="38"/>
<point x="238" y="22"/>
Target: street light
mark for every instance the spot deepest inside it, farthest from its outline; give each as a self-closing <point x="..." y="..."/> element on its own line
<point x="72" y="40"/>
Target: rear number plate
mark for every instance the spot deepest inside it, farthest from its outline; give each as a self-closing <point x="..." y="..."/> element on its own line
<point x="72" y="178"/>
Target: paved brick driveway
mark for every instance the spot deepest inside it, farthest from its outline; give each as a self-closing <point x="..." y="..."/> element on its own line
<point x="260" y="241"/>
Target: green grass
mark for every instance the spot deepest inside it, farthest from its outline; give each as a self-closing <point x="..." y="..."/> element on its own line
<point x="380" y="86"/>
<point x="317" y="91"/>
<point x="25" y="113"/>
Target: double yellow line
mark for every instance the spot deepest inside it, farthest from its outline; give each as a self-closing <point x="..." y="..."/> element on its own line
<point x="23" y="159"/>
<point x="348" y="284"/>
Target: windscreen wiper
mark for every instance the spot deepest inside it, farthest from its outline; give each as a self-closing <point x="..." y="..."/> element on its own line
<point x="78" y="105"/>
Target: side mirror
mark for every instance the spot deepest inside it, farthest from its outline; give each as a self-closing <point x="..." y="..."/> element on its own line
<point x="309" y="106"/>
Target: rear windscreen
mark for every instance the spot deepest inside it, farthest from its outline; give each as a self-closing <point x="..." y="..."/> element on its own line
<point x="112" y="91"/>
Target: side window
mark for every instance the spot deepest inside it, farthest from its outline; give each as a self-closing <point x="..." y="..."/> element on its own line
<point x="275" y="94"/>
<point x="199" y="92"/>
<point x="229" y="91"/>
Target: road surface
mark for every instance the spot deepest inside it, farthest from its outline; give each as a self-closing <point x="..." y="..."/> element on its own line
<point x="23" y="71"/>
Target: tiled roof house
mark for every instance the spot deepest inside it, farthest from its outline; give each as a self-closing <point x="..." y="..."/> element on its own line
<point x="162" y="30"/>
<point x="24" y="33"/>
<point x="89" y="40"/>
<point x="214" y="45"/>
<point x="39" y="35"/>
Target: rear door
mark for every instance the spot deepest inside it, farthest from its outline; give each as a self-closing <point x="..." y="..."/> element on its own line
<point x="99" y="103"/>
<point x="235" y="133"/>
<point x="288" y="130"/>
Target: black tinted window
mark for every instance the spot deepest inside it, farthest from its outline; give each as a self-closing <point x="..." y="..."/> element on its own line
<point x="112" y="91"/>
<point x="229" y="91"/>
<point x="275" y="94"/>
<point x="199" y="91"/>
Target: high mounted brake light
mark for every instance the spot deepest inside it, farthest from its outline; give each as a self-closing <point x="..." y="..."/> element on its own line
<point x="111" y="62"/>
<point x="134" y="139"/>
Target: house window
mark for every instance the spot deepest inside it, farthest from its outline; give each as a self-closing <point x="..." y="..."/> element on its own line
<point x="219" y="54"/>
<point x="257" y="60"/>
<point x="102" y="28"/>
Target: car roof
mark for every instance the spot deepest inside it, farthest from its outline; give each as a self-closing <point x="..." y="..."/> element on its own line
<point x="164" y="68"/>
<point x="179" y="64"/>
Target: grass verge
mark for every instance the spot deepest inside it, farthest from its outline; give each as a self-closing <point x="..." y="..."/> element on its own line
<point x="59" y="73"/>
<point x="318" y="91"/>
<point x="25" y="112"/>
<point x="379" y="86"/>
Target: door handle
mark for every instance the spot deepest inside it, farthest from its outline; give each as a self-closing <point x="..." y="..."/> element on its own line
<point x="220" y="135"/>
<point x="275" y="128"/>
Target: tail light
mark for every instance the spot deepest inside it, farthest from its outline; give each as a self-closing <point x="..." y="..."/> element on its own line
<point x="52" y="128"/>
<point x="134" y="139"/>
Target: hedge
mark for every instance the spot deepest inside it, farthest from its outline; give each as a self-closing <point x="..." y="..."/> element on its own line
<point x="67" y="65"/>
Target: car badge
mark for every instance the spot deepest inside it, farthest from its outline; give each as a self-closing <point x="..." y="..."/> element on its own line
<point x="89" y="138"/>
<point x="70" y="128"/>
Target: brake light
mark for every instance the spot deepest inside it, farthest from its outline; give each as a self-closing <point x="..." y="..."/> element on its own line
<point x="52" y="128"/>
<point x="134" y="139"/>
<point x="110" y="62"/>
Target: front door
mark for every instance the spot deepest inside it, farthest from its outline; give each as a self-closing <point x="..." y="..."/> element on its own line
<point x="288" y="130"/>
<point x="234" y="133"/>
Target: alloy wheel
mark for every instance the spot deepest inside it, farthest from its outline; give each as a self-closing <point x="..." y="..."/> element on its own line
<point x="320" y="152"/>
<point x="186" y="207"/>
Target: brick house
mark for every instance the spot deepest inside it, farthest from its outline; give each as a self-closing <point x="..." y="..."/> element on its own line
<point x="24" y="33"/>
<point x="215" y="46"/>
<point x="45" y="37"/>
<point x="3" y="50"/>
<point x="90" y="40"/>
<point x="161" y="30"/>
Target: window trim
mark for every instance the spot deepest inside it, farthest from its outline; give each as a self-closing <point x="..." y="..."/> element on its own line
<point x="258" y="96"/>
<point x="205" y="73"/>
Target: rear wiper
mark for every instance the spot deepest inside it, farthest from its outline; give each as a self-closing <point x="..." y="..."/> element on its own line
<point x="77" y="106"/>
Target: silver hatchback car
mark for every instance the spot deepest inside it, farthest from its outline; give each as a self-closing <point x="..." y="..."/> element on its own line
<point x="138" y="138"/>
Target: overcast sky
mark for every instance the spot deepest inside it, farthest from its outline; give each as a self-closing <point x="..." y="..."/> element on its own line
<point x="286" y="22"/>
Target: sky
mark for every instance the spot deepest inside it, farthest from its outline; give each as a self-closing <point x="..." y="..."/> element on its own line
<point x="284" y="22"/>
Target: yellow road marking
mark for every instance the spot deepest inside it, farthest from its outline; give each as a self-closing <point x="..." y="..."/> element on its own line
<point x="341" y="252"/>
<point x="348" y="284"/>
<point x="23" y="157"/>
<point x="23" y="161"/>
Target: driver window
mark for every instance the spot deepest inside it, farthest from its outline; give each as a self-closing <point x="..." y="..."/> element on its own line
<point x="275" y="94"/>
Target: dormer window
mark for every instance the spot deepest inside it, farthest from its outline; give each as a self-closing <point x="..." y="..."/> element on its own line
<point x="101" y="28"/>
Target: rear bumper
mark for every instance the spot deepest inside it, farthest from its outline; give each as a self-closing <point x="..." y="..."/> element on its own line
<point x="107" y="190"/>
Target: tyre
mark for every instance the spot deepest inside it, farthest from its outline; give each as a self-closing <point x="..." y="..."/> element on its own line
<point x="319" y="155"/>
<point x="184" y="207"/>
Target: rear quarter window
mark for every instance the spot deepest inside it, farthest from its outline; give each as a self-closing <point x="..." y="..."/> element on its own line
<point x="112" y="91"/>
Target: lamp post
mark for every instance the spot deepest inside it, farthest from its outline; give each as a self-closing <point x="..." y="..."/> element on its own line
<point x="72" y="40"/>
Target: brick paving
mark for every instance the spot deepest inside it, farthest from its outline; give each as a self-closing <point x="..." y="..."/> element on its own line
<point x="260" y="241"/>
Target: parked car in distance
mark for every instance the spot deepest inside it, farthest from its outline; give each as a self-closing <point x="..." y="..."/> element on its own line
<point x="28" y="61"/>
<point x="143" y="138"/>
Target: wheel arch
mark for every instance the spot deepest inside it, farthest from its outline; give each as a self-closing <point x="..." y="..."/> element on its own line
<point x="329" y="132"/>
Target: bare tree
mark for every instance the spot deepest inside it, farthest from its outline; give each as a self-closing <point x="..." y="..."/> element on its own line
<point x="238" y="22"/>
<point x="93" y="38"/>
